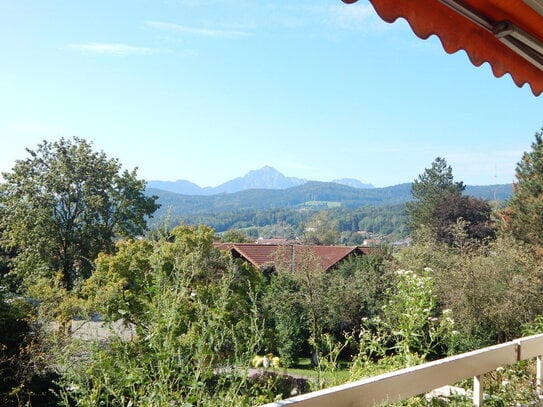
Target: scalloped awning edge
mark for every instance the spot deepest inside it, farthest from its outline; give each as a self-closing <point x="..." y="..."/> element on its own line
<point x="456" y="32"/>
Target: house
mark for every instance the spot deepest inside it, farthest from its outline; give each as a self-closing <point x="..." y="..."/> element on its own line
<point x="268" y="257"/>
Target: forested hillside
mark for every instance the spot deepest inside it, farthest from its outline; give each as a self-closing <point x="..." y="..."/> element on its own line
<point x="304" y="196"/>
<point x="266" y="212"/>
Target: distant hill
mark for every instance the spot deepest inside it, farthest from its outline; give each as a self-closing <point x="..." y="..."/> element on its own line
<point x="264" y="178"/>
<point x="179" y="187"/>
<point x="300" y="197"/>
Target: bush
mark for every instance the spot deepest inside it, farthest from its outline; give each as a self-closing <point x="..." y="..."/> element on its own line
<point x="492" y="288"/>
<point x="25" y="376"/>
<point x="197" y="325"/>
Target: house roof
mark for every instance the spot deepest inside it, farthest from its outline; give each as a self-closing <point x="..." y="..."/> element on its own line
<point x="268" y="255"/>
<point x="508" y="34"/>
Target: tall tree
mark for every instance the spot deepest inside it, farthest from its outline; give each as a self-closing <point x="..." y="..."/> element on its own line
<point x="428" y="191"/>
<point x="64" y="204"/>
<point x="475" y="214"/>
<point x="524" y="212"/>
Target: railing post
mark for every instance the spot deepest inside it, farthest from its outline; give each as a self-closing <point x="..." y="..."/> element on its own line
<point x="477" y="391"/>
<point x="539" y="374"/>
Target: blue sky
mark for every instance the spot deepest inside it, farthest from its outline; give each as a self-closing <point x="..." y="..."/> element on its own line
<point x="207" y="90"/>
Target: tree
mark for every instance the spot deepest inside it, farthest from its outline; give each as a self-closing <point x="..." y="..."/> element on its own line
<point x="66" y="203"/>
<point x="195" y="312"/>
<point x="234" y="236"/>
<point x="27" y="376"/>
<point x="353" y="291"/>
<point x="287" y="317"/>
<point x="523" y="216"/>
<point x="322" y="229"/>
<point x="475" y="215"/>
<point x="296" y="301"/>
<point x="429" y="191"/>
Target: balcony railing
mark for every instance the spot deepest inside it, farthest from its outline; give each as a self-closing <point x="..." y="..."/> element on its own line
<point x="405" y="383"/>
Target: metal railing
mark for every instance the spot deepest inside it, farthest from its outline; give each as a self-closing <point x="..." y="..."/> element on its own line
<point x="412" y="381"/>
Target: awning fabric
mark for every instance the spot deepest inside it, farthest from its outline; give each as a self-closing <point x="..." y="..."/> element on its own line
<point x="482" y="44"/>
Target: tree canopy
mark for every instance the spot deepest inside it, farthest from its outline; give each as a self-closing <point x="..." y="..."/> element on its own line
<point x="64" y="204"/>
<point x="524" y="213"/>
<point x="429" y="190"/>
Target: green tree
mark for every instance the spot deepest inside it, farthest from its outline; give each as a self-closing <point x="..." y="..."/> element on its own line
<point x="523" y="215"/>
<point x="299" y="285"/>
<point x="353" y="291"/>
<point x="194" y="311"/>
<point x="235" y="236"/>
<point x="64" y="204"/>
<point x="492" y="288"/>
<point x="26" y="374"/>
<point x="322" y="229"/>
<point x="476" y="216"/>
<point x="428" y="191"/>
<point x="286" y="316"/>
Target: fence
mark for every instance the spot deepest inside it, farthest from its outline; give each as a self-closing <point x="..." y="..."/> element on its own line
<point x="409" y="382"/>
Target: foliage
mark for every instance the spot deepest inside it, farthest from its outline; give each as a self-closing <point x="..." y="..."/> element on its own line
<point x="428" y="191"/>
<point x="119" y="286"/>
<point x="193" y="209"/>
<point x="197" y="325"/>
<point x="321" y="229"/>
<point x="523" y="215"/>
<point x="286" y="317"/>
<point x="512" y="385"/>
<point x="354" y="224"/>
<point x="26" y="376"/>
<point x="409" y="330"/>
<point x="353" y="291"/>
<point x="304" y="306"/>
<point x="235" y="236"/>
<point x="66" y="203"/>
<point x="475" y="214"/>
<point x="124" y="285"/>
<point x="491" y="288"/>
<point x="311" y="282"/>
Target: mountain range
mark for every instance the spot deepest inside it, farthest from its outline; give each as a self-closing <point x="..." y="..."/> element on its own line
<point x="264" y="178"/>
<point x="268" y="189"/>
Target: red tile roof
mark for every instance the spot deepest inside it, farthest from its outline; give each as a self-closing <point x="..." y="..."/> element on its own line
<point x="268" y="255"/>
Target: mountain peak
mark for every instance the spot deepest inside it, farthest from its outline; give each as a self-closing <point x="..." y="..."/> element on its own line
<point x="264" y="171"/>
<point x="266" y="177"/>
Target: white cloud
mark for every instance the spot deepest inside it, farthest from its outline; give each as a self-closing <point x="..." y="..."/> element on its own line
<point x="110" y="49"/>
<point x="201" y="32"/>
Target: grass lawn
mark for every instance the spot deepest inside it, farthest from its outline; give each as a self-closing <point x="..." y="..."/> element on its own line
<point x="305" y="368"/>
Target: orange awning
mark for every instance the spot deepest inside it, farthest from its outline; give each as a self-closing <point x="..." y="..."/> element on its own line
<point x="508" y="34"/>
